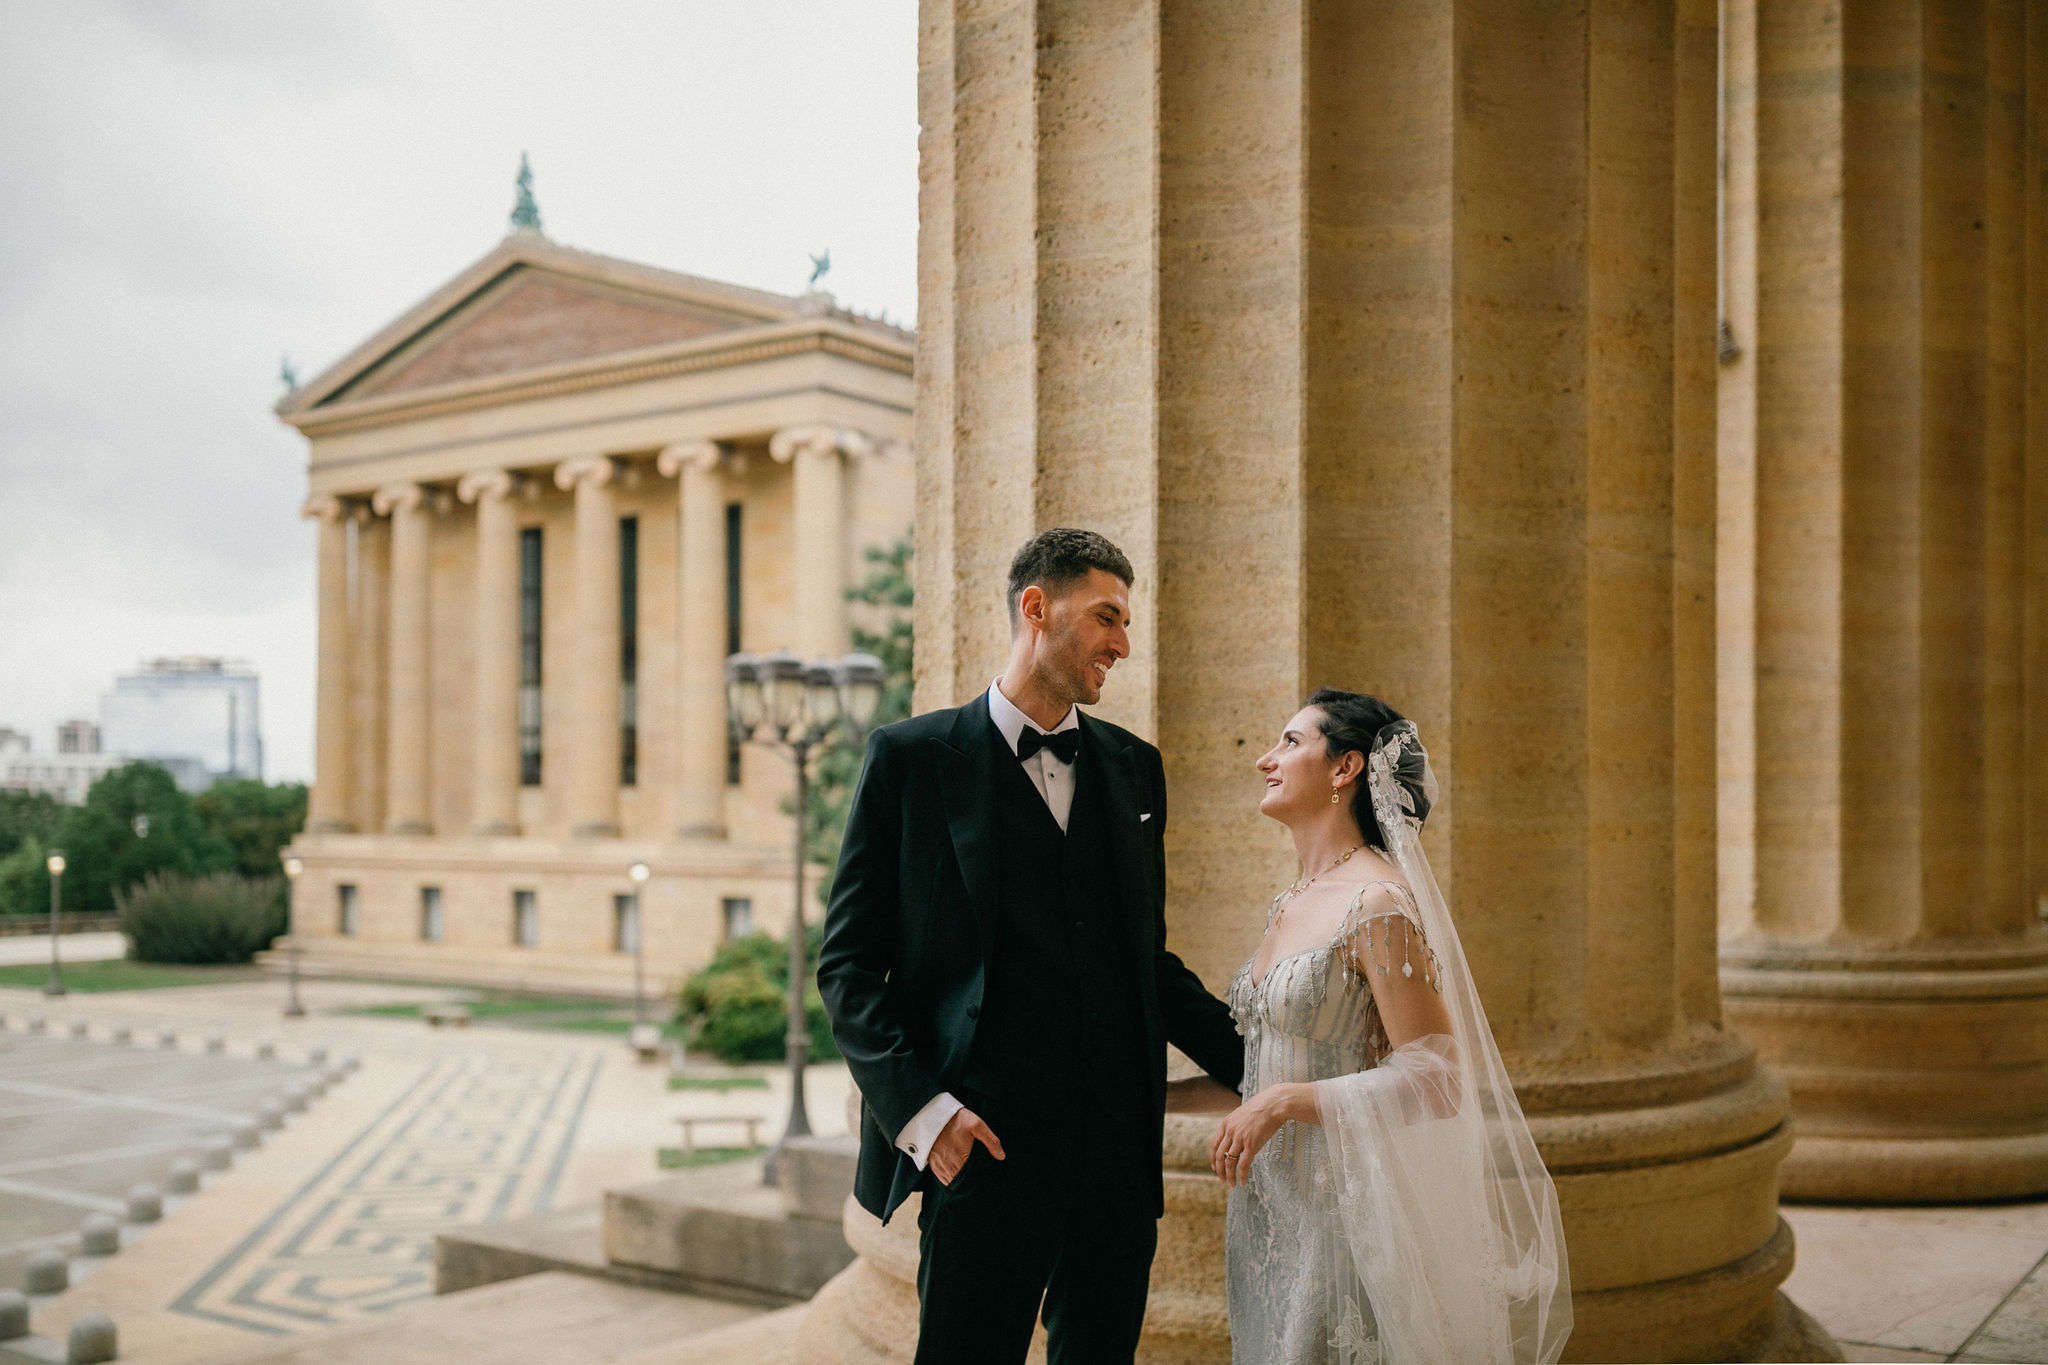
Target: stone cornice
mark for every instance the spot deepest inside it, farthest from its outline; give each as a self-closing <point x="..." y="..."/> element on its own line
<point x="743" y="346"/>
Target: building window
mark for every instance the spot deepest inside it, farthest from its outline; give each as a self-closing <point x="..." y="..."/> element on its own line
<point x="529" y="656"/>
<point x="346" y="919"/>
<point x="625" y="923"/>
<point x="431" y="925"/>
<point x="629" y="650"/>
<point x="732" y="619"/>
<point x="525" y="919"/>
<point x="739" y="916"/>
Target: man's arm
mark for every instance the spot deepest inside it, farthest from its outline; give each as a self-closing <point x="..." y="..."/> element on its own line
<point x="861" y="948"/>
<point x="1196" y="1022"/>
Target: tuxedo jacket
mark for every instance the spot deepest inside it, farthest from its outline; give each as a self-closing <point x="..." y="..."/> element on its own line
<point x="911" y="926"/>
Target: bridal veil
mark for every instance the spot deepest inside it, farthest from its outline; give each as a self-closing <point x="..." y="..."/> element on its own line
<point x="1451" y="1218"/>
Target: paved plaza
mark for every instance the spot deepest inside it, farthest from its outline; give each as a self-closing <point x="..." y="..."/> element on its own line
<point x="329" y="1222"/>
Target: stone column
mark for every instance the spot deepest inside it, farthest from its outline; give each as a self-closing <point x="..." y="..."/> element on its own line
<point x="700" y="639"/>
<point x="1886" y="953"/>
<point x="408" y="686"/>
<point x="1383" y="337"/>
<point x="369" y="687"/>
<point x="818" y="533"/>
<point x="494" y="800"/>
<point x="593" y="738"/>
<point x="329" y="805"/>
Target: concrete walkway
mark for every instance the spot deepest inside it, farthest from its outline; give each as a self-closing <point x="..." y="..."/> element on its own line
<point x="330" y="1222"/>
<point x="27" y="949"/>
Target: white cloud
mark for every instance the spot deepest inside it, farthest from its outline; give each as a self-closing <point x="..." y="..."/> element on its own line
<point x="195" y="187"/>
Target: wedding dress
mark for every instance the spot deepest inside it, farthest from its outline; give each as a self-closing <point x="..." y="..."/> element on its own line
<point x="1416" y="1223"/>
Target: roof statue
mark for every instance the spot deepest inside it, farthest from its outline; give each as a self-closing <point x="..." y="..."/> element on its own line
<point x="287" y="373"/>
<point x="525" y="212"/>
<point x="819" y="266"/>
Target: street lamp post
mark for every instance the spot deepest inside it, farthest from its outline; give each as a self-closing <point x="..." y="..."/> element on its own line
<point x="292" y="868"/>
<point x="55" y="863"/>
<point x="639" y="872"/>
<point x="778" y="699"/>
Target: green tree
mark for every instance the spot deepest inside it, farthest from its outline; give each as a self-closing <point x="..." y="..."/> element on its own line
<point x="108" y="849"/>
<point x="888" y="586"/>
<point x="26" y="816"/>
<point x="737" y="1007"/>
<point x="255" y="819"/>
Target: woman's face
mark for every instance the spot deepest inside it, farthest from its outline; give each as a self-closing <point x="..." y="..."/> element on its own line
<point x="1298" y="770"/>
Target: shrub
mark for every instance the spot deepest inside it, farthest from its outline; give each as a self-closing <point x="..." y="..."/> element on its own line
<point x="106" y="852"/>
<point x="215" y="917"/>
<point x="737" y="1007"/>
<point x="24" y="882"/>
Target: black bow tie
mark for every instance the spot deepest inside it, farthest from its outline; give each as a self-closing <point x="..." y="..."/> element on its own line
<point x="1064" y="744"/>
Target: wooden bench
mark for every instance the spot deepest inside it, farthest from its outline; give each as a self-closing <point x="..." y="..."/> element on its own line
<point x="437" y="1015"/>
<point x="689" y="1122"/>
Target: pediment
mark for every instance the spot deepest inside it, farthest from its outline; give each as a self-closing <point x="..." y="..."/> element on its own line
<point x="529" y="305"/>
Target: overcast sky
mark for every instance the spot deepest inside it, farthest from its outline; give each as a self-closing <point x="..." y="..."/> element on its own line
<point x="190" y="189"/>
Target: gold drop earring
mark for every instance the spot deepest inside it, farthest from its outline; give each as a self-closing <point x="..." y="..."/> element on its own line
<point x="1335" y="794"/>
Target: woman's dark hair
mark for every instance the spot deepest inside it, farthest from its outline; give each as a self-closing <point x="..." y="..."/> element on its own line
<point x="1351" y="722"/>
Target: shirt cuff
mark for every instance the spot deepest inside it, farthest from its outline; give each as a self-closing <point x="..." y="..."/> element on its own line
<point x="918" y="1135"/>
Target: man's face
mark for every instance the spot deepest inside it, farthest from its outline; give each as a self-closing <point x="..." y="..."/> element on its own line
<point x="1080" y="634"/>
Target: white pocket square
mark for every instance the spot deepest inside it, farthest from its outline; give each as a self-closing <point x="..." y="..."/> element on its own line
<point x="1146" y="816"/>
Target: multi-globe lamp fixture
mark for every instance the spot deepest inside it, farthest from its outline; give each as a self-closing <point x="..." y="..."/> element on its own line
<point x="781" y="700"/>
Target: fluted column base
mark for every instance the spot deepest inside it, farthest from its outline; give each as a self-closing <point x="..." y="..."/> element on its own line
<point x="1919" y="1075"/>
<point x="1671" y="1221"/>
<point x="329" y="827"/>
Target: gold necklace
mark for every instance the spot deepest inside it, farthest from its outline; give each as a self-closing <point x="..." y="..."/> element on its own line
<point x="1295" y="890"/>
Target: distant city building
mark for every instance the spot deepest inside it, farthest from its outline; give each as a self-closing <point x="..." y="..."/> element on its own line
<point x="196" y="716"/>
<point x="68" y="776"/>
<point x="78" y="737"/>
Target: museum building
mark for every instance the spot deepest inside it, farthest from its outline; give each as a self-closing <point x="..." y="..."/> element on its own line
<point x="552" y="499"/>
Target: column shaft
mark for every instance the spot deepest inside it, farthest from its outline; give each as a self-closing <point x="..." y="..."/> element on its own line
<point x="818" y="536"/>
<point x="593" y="753"/>
<point x="369" y="683"/>
<point x="701" y="638"/>
<point x="329" y="807"/>
<point x="407" y="761"/>
<point x="494" y="800"/>
<point x="1892" y="969"/>
<point x="1411" y="391"/>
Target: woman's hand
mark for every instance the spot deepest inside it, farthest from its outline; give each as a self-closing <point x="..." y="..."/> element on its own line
<point x="1252" y="1124"/>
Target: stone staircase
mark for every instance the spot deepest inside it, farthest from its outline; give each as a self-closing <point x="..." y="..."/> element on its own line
<point x="707" y="1267"/>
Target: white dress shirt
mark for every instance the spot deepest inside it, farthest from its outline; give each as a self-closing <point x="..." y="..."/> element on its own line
<point x="1055" y="782"/>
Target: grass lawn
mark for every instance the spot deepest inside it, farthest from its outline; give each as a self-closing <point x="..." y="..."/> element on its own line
<point x="122" y="975"/>
<point x="672" y="1158"/>
<point x="718" y="1082"/>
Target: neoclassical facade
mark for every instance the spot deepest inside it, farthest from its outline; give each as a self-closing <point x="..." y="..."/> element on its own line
<point x="552" y="498"/>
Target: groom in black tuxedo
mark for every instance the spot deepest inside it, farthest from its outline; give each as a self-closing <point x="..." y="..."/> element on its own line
<point x="996" y="971"/>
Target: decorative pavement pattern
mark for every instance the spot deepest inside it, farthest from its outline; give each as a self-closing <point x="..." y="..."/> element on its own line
<point x="475" y="1138"/>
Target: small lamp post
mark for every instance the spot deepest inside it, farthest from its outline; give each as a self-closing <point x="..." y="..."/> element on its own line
<point x="55" y="864"/>
<point x="778" y="699"/>
<point x="642" y="1043"/>
<point x="292" y="868"/>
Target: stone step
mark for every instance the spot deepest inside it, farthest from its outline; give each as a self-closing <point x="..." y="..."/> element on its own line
<point x="551" y="1318"/>
<point x="570" y="1240"/>
<point x="718" y="1230"/>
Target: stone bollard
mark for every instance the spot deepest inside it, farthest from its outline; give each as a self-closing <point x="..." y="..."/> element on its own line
<point x="101" y="1236"/>
<point x="296" y="1098"/>
<point x="218" y="1154"/>
<point x="265" y="1049"/>
<point x="91" y="1340"/>
<point x="336" y="1075"/>
<point x="77" y="1028"/>
<point x="215" y="1044"/>
<point x="36" y="1023"/>
<point x="316" y="1054"/>
<point x="167" y="1039"/>
<point x="13" y="1314"/>
<point x="246" y="1136"/>
<point x="350" y="1062"/>
<point x="47" y="1272"/>
<point x="183" y="1177"/>
<point x="316" y="1084"/>
<point x="122" y="1033"/>
<point x="270" y="1116"/>
<point x="145" y="1204"/>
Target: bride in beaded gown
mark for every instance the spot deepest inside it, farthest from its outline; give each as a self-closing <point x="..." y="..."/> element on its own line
<point x="1387" y="1203"/>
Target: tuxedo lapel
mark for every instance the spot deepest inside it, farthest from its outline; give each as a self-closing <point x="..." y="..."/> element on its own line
<point x="1127" y="834"/>
<point x="967" y="786"/>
